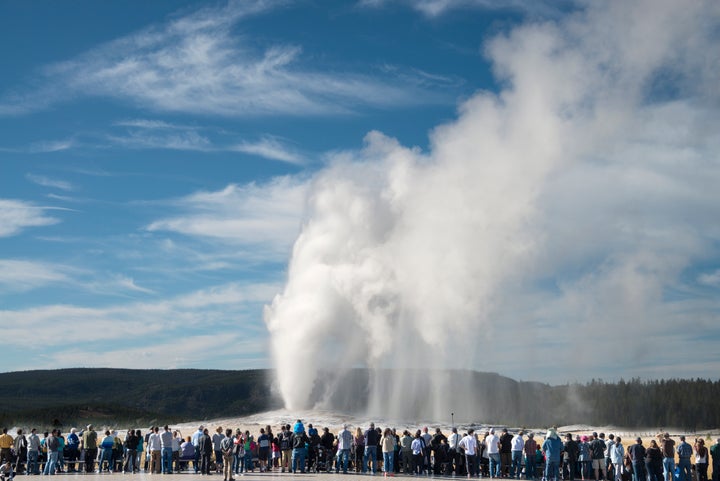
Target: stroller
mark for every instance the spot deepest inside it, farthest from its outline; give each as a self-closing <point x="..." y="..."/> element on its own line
<point x="324" y="459"/>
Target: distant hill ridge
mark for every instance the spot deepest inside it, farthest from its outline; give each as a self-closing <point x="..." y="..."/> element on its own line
<point x="72" y="396"/>
<point x="139" y="397"/>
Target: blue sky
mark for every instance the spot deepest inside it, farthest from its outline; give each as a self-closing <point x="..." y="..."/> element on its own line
<point x="159" y="160"/>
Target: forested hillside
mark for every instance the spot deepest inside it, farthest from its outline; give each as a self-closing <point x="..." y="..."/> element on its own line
<point x="69" y="396"/>
<point x="77" y="396"/>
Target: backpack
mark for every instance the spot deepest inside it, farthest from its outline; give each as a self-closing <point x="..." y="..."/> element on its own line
<point x="285" y="441"/>
<point x="227" y="446"/>
<point x="598" y="449"/>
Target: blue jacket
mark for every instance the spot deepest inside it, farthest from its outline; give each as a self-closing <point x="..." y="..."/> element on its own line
<point x="552" y="448"/>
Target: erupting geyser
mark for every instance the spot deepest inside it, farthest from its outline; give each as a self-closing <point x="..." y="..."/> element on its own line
<point x="513" y="230"/>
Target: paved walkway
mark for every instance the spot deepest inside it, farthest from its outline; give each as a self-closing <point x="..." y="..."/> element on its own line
<point x="188" y="475"/>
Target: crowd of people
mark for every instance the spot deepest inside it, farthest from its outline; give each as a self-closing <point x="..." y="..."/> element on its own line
<point x="295" y="449"/>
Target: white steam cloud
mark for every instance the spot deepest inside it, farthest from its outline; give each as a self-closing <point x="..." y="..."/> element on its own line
<point x="561" y="210"/>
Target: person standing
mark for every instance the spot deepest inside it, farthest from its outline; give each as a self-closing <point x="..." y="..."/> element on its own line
<point x="106" y="453"/>
<point x="6" y="445"/>
<point x="299" y="448"/>
<point x="417" y="448"/>
<point x="89" y="441"/>
<point x="637" y="457"/>
<point x="469" y="445"/>
<point x="73" y="450"/>
<point x="571" y="451"/>
<point x="609" y="465"/>
<point x="530" y="450"/>
<point x="52" y="443"/>
<point x="701" y="459"/>
<point x="344" y="445"/>
<point x="454" y="450"/>
<point x="551" y="448"/>
<point x="33" y="455"/>
<point x="154" y="447"/>
<point x="166" y="446"/>
<point x="217" y="438"/>
<point x="715" y="453"/>
<point x="195" y="440"/>
<point x="20" y="447"/>
<point x="597" y="452"/>
<point x="492" y="445"/>
<point x="617" y="455"/>
<point x="371" y="442"/>
<point x="285" y="448"/>
<point x="654" y="462"/>
<point x="227" y="450"/>
<point x="206" y="450"/>
<point x="505" y="453"/>
<point x="684" y="451"/>
<point x="516" y="454"/>
<point x="668" y="451"/>
<point x="130" y="445"/>
<point x="388" y="449"/>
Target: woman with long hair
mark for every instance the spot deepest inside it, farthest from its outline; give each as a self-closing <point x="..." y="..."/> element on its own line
<point x="388" y="443"/>
<point x="701" y="459"/>
<point x="358" y="449"/>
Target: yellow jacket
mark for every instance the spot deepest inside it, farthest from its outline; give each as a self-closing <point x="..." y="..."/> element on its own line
<point x="6" y="441"/>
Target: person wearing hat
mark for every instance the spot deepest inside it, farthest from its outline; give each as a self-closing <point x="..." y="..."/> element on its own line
<point x="299" y="449"/>
<point x="518" y="443"/>
<point x="344" y="445"/>
<point x="492" y="443"/>
<point x="551" y="448"/>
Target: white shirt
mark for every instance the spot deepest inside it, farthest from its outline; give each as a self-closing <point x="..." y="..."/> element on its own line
<point x="492" y="444"/>
<point x="154" y="442"/>
<point x="469" y="444"/>
<point x="454" y="440"/>
<point x="518" y="443"/>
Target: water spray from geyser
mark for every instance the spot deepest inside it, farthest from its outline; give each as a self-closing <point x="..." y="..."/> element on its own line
<point x="412" y="262"/>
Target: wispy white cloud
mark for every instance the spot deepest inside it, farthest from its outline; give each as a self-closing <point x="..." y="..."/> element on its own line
<point x="17" y="215"/>
<point x="158" y="134"/>
<point x="129" y="284"/>
<point x="48" y="182"/>
<point x="270" y="148"/>
<point x="182" y="321"/>
<point x="51" y="146"/>
<point x="197" y="64"/>
<point x="185" y="140"/>
<point x="153" y="124"/>
<point x="21" y="275"/>
<point x="433" y="8"/>
<point x="710" y="279"/>
<point x="40" y="147"/>
<point x="265" y="217"/>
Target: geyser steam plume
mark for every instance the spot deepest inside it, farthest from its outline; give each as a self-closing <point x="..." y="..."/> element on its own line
<point x="568" y="200"/>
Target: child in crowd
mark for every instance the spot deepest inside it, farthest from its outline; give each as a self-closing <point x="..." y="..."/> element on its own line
<point x="6" y="471"/>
